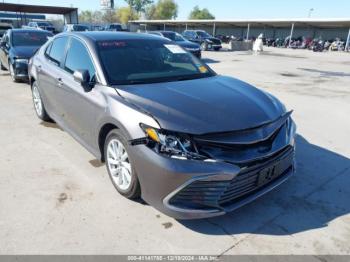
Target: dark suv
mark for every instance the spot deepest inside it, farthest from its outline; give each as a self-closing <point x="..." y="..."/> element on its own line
<point x="206" y="41"/>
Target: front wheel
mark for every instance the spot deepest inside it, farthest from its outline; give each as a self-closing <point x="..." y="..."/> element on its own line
<point x="38" y="103"/>
<point x="204" y="46"/>
<point x="13" y="73"/>
<point x="119" y="165"/>
<point x="2" y="67"/>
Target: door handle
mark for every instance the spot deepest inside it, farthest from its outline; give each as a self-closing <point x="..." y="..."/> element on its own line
<point x="39" y="68"/>
<point x="59" y="82"/>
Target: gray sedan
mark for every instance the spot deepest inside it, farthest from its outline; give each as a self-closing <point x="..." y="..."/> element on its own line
<point x="189" y="142"/>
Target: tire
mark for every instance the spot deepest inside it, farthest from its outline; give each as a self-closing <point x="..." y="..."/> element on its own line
<point x="204" y="46"/>
<point x="12" y="73"/>
<point x="217" y="48"/>
<point x="125" y="180"/>
<point x="2" y="67"/>
<point x="38" y="103"/>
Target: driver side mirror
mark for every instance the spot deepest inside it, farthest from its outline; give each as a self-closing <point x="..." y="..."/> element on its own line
<point x="83" y="77"/>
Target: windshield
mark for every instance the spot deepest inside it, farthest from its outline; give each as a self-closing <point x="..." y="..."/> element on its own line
<point x="169" y="35"/>
<point x="203" y="34"/>
<point x="29" y="38"/>
<point x="80" y="28"/>
<point x="117" y="27"/>
<point x="43" y="24"/>
<point x="179" y="38"/>
<point x="148" y="61"/>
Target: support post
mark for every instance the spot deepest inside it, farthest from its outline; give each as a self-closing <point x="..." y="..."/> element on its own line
<point x="248" y="32"/>
<point x="291" y="35"/>
<point x="214" y="29"/>
<point x="164" y="27"/>
<point x="347" y="46"/>
<point x="186" y="26"/>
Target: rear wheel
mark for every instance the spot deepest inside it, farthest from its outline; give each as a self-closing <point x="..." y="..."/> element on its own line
<point x="119" y="165"/>
<point x="38" y="103"/>
<point x="217" y="48"/>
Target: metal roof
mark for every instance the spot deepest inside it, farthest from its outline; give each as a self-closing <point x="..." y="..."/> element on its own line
<point x="36" y="9"/>
<point x="314" y="22"/>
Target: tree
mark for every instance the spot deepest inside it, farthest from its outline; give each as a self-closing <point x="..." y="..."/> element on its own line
<point x="86" y="17"/>
<point x="109" y="16"/>
<point x="139" y="5"/>
<point x="198" y="13"/>
<point x="90" y="17"/>
<point x="125" y="14"/>
<point x="164" y="9"/>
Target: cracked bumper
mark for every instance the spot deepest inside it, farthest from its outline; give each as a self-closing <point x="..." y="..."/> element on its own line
<point x="162" y="179"/>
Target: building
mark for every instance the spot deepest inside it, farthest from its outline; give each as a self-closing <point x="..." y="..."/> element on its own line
<point x="249" y="28"/>
<point x="20" y="14"/>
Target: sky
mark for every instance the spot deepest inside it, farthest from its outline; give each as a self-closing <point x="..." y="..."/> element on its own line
<point x="231" y="9"/>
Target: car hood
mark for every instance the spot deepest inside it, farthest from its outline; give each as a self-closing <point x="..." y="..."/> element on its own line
<point x="24" y="51"/>
<point x="202" y="106"/>
<point x="213" y="39"/>
<point x="188" y="44"/>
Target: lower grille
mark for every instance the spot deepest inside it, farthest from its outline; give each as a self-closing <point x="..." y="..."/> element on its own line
<point x="218" y="194"/>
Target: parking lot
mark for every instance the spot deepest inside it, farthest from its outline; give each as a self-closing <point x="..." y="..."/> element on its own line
<point x="55" y="198"/>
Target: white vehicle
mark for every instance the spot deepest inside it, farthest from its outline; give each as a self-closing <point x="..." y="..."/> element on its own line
<point x="75" y="28"/>
<point x="41" y="25"/>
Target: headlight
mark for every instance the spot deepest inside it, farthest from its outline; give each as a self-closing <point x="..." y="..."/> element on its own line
<point x="292" y="130"/>
<point x="171" y="144"/>
<point x="21" y="61"/>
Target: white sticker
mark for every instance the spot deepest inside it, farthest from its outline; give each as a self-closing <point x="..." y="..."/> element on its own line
<point x="175" y="49"/>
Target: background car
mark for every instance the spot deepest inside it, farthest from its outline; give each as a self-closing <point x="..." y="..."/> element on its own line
<point x="17" y="46"/>
<point x="114" y="27"/>
<point x="206" y="41"/>
<point x="75" y="28"/>
<point x="3" y="28"/>
<point x="194" y="48"/>
<point x="41" y="25"/>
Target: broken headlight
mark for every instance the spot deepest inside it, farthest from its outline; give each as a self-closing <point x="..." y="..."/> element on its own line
<point x="171" y="144"/>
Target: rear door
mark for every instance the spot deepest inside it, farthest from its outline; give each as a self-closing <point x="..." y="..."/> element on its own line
<point x="79" y="107"/>
<point x="50" y="75"/>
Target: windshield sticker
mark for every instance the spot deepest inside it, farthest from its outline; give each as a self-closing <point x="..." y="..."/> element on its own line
<point x="112" y="44"/>
<point x="203" y="69"/>
<point x="175" y="49"/>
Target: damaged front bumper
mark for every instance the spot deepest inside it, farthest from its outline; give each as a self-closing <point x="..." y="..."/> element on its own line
<point x="192" y="189"/>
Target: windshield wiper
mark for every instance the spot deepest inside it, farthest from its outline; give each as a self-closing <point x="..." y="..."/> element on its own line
<point x="184" y="78"/>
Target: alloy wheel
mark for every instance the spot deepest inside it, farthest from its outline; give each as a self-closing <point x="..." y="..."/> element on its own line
<point x="118" y="164"/>
<point x="37" y="101"/>
<point x="12" y="72"/>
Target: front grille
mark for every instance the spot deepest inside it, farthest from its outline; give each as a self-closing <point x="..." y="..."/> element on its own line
<point x="200" y="194"/>
<point x="219" y="194"/>
<point x="216" y="41"/>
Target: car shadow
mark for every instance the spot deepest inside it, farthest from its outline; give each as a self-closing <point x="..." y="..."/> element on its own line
<point x="316" y="195"/>
<point x="209" y="61"/>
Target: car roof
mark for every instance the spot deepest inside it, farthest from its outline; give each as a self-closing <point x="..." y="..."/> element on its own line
<point x="29" y="30"/>
<point x="93" y="36"/>
<point x="162" y="31"/>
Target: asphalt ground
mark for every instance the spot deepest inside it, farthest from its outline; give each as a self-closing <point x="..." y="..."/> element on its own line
<point x="55" y="198"/>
